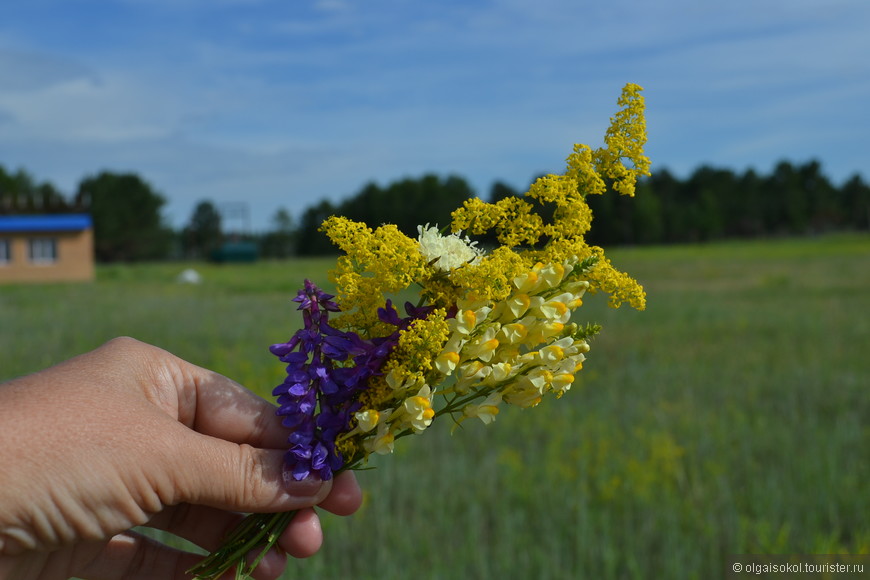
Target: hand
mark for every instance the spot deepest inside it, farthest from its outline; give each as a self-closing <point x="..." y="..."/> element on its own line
<point x="130" y="435"/>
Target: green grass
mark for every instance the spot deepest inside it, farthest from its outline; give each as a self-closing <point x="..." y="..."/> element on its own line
<point x="729" y="417"/>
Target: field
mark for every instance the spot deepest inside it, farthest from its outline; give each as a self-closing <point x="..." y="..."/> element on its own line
<point x="732" y="416"/>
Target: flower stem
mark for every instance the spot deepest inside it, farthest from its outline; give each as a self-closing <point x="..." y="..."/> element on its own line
<point x="256" y="531"/>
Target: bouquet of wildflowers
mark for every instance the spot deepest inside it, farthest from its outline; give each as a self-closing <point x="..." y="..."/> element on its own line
<point x="489" y="327"/>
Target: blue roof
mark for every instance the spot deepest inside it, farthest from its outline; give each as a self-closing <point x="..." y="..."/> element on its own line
<point x="60" y="222"/>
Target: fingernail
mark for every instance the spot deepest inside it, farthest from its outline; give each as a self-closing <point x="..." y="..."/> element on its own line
<point x="309" y="486"/>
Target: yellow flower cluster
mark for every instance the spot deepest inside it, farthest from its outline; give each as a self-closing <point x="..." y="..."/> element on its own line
<point x="375" y="263"/>
<point x="513" y="351"/>
<point x="501" y="329"/>
<point x="520" y="228"/>
<point x="625" y="140"/>
<point x="517" y="349"/>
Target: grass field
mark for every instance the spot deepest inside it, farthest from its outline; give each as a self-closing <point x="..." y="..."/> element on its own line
<point x="732" y="416"/>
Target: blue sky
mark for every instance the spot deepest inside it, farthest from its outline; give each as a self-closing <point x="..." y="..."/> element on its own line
<point x="285" y="102"/>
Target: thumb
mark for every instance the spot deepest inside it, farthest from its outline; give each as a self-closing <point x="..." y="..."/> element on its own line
<point x="240" y="477"/>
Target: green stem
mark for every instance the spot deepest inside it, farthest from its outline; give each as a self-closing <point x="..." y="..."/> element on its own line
<point x="255" y="531"/>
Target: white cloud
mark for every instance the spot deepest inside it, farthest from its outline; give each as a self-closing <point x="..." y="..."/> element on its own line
<point x="84" y="109"/>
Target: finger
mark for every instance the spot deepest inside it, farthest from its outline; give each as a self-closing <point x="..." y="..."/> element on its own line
<point x="132" y="556"/>
<point x="207" y="527"/>
<point x="228" y="410"/>
<point x="303" y="536"/>
<point x="241" y="478"/>
<point x="213" y="404"/>
<point x="345" y="497"/>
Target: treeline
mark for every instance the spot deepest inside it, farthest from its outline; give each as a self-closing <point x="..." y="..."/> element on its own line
<point x="406" y="203"/>
<point x="710" y="204"/>
<point x="714" y="204"/>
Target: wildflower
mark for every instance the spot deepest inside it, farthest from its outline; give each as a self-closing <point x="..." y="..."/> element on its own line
<point x="486" y="410"/>
<point x="489" y="328"/>
<point x="447" y="361"/>
<point x="382" y="442"/>
<point x="367" y="420"/>
<point x="446" y="253"/>
<point x="419" y="409"/>
<point x="309" y="381"/>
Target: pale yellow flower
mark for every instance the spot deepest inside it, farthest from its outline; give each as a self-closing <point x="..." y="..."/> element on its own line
<point x="486" y="410"/>
<point x="419" y="409"/>
<point x="367" y="420"/>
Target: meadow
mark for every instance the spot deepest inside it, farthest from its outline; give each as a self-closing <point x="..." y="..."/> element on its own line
<point x="730" y="417"/>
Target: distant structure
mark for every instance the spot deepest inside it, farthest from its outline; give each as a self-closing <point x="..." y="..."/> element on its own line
<point x="238" y="212"/>
<point x="46" y="248"/>
<point x="237" y="247"/>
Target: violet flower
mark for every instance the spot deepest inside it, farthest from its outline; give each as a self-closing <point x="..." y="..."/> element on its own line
<point x="317" y="398"/>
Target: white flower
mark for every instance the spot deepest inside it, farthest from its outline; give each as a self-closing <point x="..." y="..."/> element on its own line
<point x="447" y="252"/>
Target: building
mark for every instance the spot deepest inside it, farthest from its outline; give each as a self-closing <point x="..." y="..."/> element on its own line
<point x="46" y="248"/>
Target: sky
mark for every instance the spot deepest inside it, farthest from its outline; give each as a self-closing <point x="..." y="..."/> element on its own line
<point x="264" y="104"/>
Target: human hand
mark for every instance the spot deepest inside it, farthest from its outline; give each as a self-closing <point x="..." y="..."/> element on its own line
<point x="130" y="435"/>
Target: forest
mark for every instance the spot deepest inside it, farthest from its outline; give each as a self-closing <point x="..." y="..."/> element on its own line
<point x="709" y="204"/>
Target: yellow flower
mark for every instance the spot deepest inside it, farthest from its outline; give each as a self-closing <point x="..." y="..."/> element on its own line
<point x="625" y="139"/>
<point x="484" y="346"/>
<point x="446" y="362"/>
<point x="490" y="279"/>
<point x="486" y="410"/>
<point x="500" y="372"/>
<point x="469" y="374"/>
<point x="383" y="442"/>
<point x="528" y="390"/>
<point x="464" y="321"/>
<point x="518" y="304"/>
<point x="514" y="332"/>
<point x="419" y="409"/>
<point x="562" y="382"/>
<point x="418" y="352"/>
<point x="527" y="282"/>
<point x="543" y="330"/>
<point x="367" y="420"/>
<point x="555" y="309"/>
<point x="376" y="263"/>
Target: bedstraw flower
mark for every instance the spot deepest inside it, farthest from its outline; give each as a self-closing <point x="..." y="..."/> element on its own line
<point x="449" y="252"/>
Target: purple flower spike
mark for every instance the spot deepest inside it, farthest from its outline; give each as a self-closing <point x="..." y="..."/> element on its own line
<point x="316" y="398"/>
<point x="314" y="383"/>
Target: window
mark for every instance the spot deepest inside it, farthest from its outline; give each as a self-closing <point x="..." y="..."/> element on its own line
<point x="5" y="251"/>
<point x="43" y="250"/>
